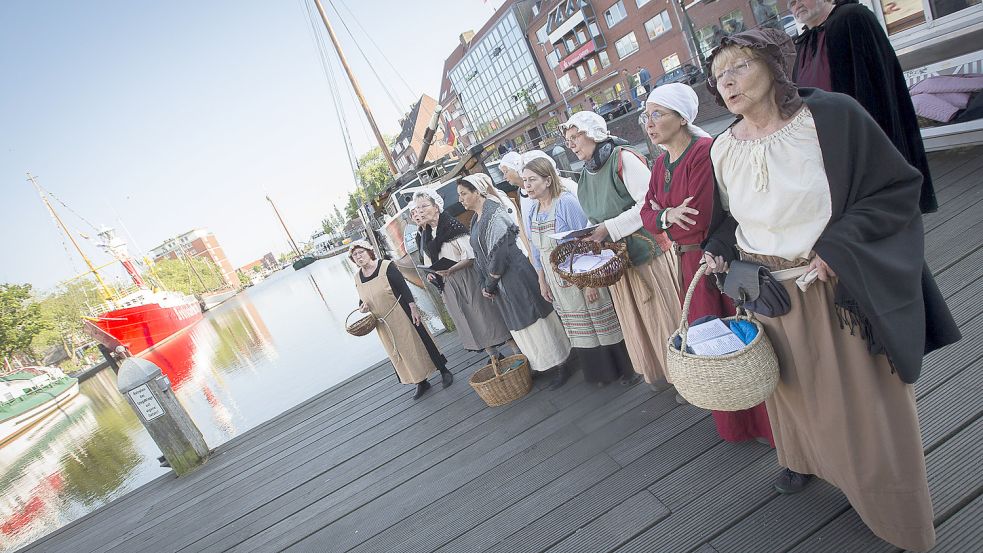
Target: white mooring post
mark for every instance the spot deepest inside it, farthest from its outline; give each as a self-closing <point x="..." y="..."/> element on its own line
<point x="149" y="393"/>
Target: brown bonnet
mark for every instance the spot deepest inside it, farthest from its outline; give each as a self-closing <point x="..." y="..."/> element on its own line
<point x="775" y="48"/>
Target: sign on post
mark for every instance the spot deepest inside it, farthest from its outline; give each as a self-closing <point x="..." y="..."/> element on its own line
<point x="146" y="402"/>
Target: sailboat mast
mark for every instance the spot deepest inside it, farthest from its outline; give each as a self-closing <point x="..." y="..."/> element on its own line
<point x="106" y="293"/>
<point x="358" y="91"/>
<point x="284" y="225"/>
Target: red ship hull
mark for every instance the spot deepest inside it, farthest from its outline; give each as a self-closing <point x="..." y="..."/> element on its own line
<point x="144" y="326"/>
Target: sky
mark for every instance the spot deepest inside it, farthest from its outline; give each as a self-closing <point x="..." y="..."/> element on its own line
<point x="160" y="117"/>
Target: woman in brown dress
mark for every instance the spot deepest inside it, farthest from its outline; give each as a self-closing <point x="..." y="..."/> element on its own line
<point x="799" y="195"/>
<point x="383" y="291"/>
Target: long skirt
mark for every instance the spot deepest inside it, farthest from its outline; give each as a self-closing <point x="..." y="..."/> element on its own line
<point x="647" y="303"/>
<point x="479" y="322"/>
<point x="602" y="364"/>
<point x="839" y="413"/>
<point x="544" y="343"/>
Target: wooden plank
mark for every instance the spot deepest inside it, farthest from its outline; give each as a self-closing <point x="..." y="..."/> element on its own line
<point x="956" y="277"/>
<point x="963" y="532"/>
<point x="941" y="365"/>
<point x="608" y="531"/>
<point x="845" y="533"/>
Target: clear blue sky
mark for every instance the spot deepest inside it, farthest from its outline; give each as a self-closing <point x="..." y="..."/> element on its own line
<point x="174" y="115"/>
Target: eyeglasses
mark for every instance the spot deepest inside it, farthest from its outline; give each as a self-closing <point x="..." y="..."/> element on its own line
<point x="573" y="138"/>
<point x="740" y="69"/>
<point x="643" y="118"/>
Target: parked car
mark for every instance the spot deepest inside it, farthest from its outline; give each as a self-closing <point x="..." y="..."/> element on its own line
<point x="686" y="74"/>
<point x="790" y="26"/>
<point x="613" y="109"/>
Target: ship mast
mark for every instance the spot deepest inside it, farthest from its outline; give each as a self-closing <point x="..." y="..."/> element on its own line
<point x="358" y="91"/>
<point x="285" y="229"/>
<point x="106" y="292"/>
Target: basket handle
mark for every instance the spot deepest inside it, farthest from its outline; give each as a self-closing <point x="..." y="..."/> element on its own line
<point x="494" y="364"/>
<point x="683" y="329"/>
<point x="350" y="315"/>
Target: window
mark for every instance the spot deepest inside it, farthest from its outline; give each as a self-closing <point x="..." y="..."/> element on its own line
<point x="581" y="72"/>
<point x="602" y="56"/>
<point x="553" y="59"/>
<point x="640" y="3"/>
<point x="570" y="44"/>
<point x="615" y="14"/>
<point x="581" y="36"/>
<point x="942" y="8"/>
<point x="541" y="35"/>
<point x="658" y="25"/>
<point x="564" y="83"/>
<point x="705" y="37"/>
<point x="732" y="22"/>
<point x="904" y="14"/>
<point x="592" y="66"/>
<point x="670" y="63"/>
<point x="767" y="13"/>
<point x="626" y="45"/>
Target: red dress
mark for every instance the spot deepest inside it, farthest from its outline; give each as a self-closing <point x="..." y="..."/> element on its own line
<point x="692" y="176"/>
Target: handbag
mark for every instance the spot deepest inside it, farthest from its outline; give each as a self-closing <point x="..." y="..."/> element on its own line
<point x="754" y="288"/>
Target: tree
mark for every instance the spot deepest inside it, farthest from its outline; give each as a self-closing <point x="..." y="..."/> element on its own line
<point x="63" y="311"/>
<point x="372" y="177"/>
<point x="179" y="276"/>
<point x="243" y="279"/>
<point x="20" y="319"/>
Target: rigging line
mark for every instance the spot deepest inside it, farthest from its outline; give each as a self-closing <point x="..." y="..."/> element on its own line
<point x="66" y="206"/>
<point x="333" y="86"/>
<point x="368" y="35"/>
<point x="368" y="62"/>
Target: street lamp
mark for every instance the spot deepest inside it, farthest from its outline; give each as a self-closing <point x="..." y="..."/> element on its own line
<point x="556" y="79"/>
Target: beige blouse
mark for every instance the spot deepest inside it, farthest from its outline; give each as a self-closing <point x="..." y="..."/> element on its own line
<point x="455" y="250"/>
<point x="775" y="187"/>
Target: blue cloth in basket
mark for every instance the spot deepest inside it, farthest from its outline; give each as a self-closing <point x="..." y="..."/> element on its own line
<point x="745" y="330"/>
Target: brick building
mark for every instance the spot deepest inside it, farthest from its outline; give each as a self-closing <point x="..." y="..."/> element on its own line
<point x="408" y="144"/>
<point x="198" y="243"/>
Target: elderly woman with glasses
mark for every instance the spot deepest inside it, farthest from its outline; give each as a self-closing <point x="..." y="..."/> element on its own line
<point x="612" y="189"/>
<point x="809" y="185"/>
<point x="509" y="281"/>
<point x="383" y="291"/>
<point x="679" y="204"/>
<point x="443" y="238"/>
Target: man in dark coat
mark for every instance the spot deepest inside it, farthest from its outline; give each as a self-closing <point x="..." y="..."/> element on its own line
<point x="844" y="49"/>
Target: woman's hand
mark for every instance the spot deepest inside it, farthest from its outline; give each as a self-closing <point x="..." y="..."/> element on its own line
<point x="714" y="264"/>
<point x="544" y="289"/>
<point x="445" y="273"/>
<point x="655" y="206"/>
<point x="415" y="314"/>
<point x="591" y="294"/>
<point x="823" y="271"/>
<point x="678" y="215"/>
<point x="600" y="233"/>
<point x="487" y="294"/>
<point x="431" y="277"/>
<point x="364" y="308"/>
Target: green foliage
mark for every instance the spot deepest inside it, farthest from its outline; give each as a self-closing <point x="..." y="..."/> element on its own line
<point x="373" y="177"/>
<point x="243" y="279"/>
<point x="20" y="319"/>
<point x="63" y="310"/>
<point x="179" y="276"/>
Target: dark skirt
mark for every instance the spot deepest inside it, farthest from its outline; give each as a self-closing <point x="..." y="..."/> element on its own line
<point x="603" y="364"/>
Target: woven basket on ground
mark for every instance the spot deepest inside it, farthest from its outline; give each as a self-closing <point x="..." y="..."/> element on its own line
<point x="563" y="256"/>
<point x="362" y="326"/>
<point x="497" y="388"/>
<point x="731" y="382"/>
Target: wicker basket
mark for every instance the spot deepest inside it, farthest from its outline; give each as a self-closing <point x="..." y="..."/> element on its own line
<point x="499" y="389"/>
<point x="602" y="276"/>
<point x="730" y="382"/>
<point x="362" y="326"/>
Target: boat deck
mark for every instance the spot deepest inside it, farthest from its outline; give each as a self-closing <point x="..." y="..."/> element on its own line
<point x="363" y="467"/>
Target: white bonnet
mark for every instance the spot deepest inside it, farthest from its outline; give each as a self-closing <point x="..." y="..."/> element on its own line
<point x="593" y="125"/>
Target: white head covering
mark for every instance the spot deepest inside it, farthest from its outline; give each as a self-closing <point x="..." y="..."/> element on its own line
<point x="434" y="197"/>
<point x="482" y="182"/>
<point x="512" y="160"/>
<point x="683" y="100"/>
<point x="591" y="123"/>
<point x="535" y="154"/>
<point x="364" y="244"/>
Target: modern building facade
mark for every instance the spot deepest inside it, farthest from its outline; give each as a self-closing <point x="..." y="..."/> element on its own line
<point x="409" y="143"/>
<point x="199" y="242"/>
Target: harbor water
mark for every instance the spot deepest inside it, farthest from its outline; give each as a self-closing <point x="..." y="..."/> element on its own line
<point x="258" y="354"/>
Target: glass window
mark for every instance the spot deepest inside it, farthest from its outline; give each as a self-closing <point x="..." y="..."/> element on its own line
<point x="658" y="25"/>
<point x="626" y="45"/>
<point x="541" y="35"/>
<point x="615" y="14"/>
<point x="942" y="8"/>
<point x="553" y="59"/>
<point x="767" y="13"/>
<point x="592" y="66"/>
<point x="670" y="63"/>
<point x="581" y="36"/>
<point x="732" y="22"/>
<point x="602" y="56"/>
<point x="705" y="37"/>
<point x="640" y="3"/>
<point x="904" y="14"/>
<point x="570" y="44"/>
<point x="564" y="82"/>
<point x="581" y="72"/>
<point x="595" y="31"/>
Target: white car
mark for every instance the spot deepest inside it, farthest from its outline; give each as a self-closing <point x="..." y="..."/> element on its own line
<point x="790" y="26"/>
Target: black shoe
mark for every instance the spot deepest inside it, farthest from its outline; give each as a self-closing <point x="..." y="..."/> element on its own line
<point x="446" y="377"/>
<point x="681" y="400"/>
<point x="789" y="482"/>
<point x="560" y="377"/>
<point x="630" y="379"/>
<point x="421" y="388"/>
<point x="537" y="375"/>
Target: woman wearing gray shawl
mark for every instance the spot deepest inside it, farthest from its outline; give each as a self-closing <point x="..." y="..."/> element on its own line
<point x="510" y="281"/>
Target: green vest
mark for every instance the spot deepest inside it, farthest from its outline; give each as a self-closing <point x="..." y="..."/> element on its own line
<point x="603" y="195"/>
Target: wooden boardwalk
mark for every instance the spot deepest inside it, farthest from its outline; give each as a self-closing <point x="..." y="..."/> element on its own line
<point x="362" y="467"/>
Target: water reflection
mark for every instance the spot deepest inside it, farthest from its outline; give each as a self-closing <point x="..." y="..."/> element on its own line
<point x="257" y="355"/>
